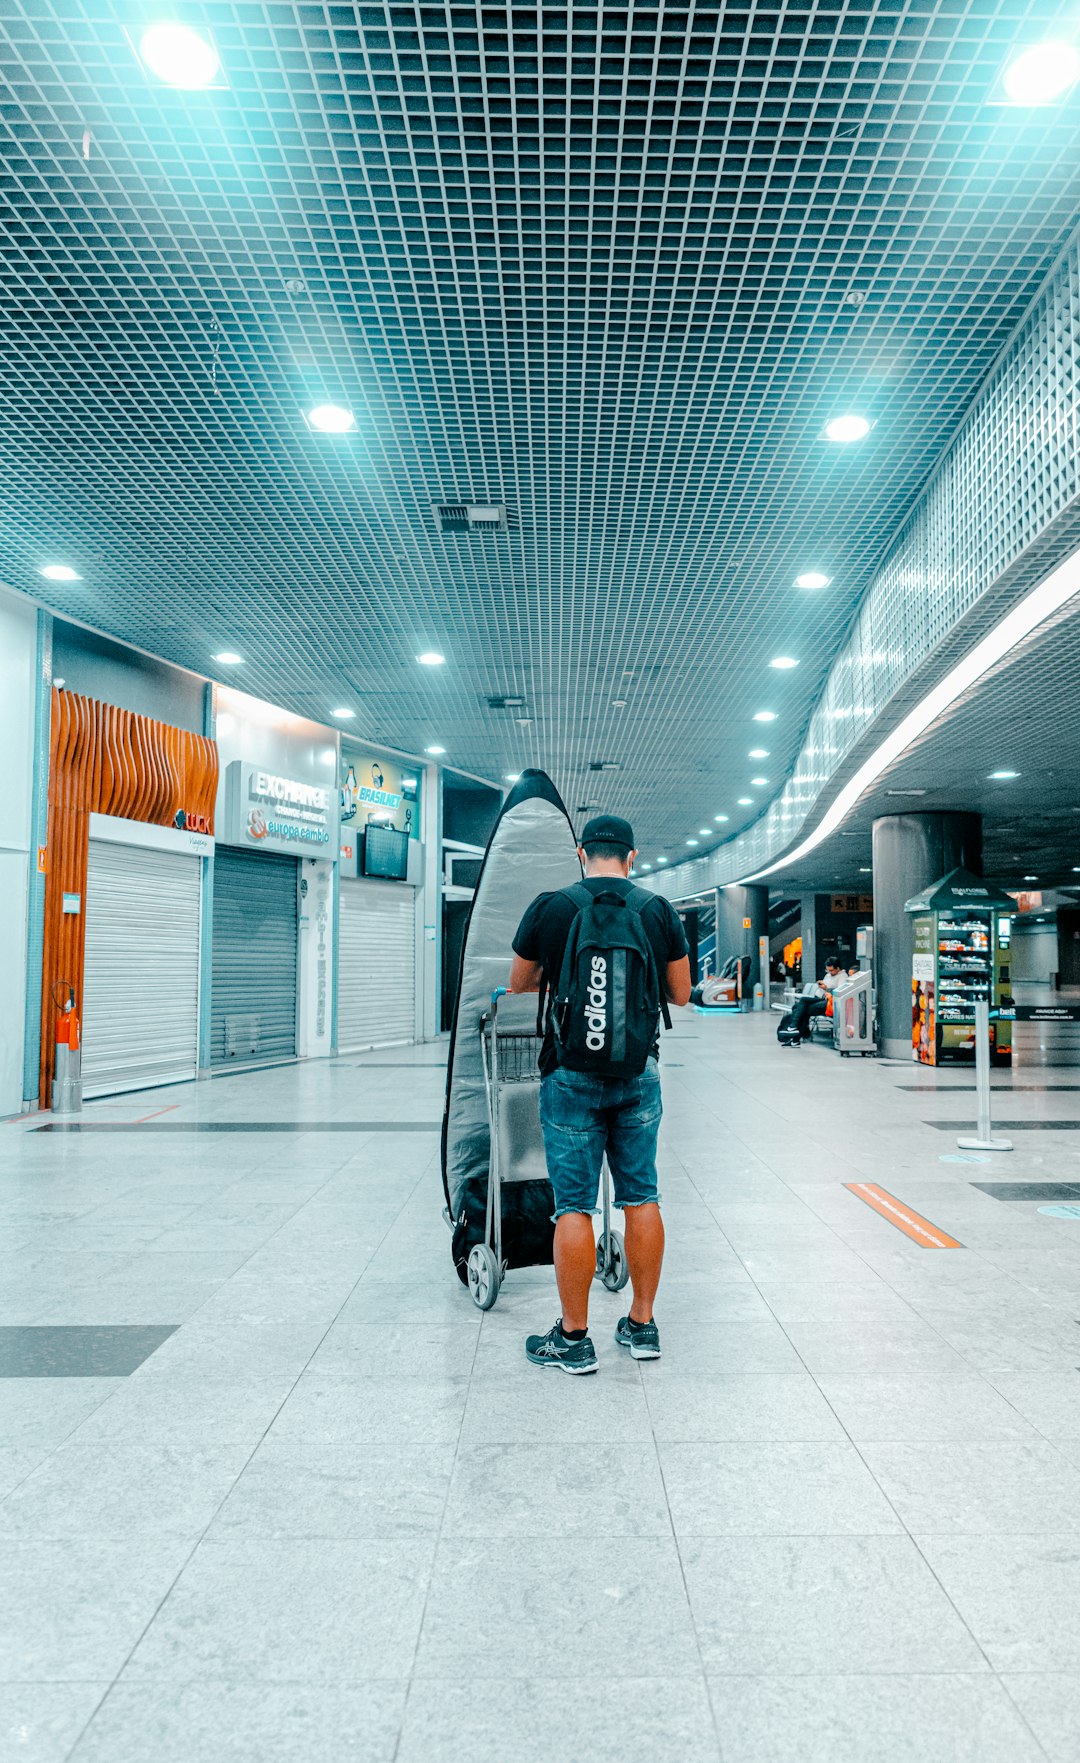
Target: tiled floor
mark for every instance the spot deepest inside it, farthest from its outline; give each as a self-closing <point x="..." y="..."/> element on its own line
<point x="335" y="1515"/>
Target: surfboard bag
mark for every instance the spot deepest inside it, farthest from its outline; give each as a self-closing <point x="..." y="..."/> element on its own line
<point x="532" y="850"/>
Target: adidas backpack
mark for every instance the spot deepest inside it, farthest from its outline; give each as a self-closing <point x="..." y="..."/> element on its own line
<point x="605" y="1011"/>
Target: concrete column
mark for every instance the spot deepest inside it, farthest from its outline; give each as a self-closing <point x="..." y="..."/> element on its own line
<point x="734" y="906"/>
<point x="911" y="851"/>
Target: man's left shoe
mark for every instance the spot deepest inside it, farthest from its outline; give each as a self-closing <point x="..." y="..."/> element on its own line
<point x="553" y="1348"/>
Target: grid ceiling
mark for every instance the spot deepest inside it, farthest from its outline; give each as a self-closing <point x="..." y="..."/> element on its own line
<point x="614" y="268"/>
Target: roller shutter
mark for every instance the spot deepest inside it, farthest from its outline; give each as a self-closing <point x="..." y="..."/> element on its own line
<point x="253" y="1002"/>
<point x="141" y="976"/>
<point x="376" y="965"/>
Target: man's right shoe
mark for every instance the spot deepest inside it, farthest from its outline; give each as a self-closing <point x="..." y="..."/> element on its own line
<point x="642" y="1338"/>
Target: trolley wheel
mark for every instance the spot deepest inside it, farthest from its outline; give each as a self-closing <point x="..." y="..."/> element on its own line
<point x="612" y="1268"/>
<point x="485" y="1277"/>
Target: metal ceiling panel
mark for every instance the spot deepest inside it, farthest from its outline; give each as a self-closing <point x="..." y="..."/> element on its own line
<point x="612" y="268"/>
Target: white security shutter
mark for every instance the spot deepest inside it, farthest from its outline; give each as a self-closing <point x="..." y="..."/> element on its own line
<point x="376" y="965"/>
<point x="141" y="977"/>
<point x="253" y="996"/>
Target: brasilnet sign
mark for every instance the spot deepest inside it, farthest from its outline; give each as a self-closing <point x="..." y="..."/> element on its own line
<point x="268" y="812"/>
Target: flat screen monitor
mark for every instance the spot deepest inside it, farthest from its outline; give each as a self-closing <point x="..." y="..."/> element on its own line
<point x="386" y="853"/>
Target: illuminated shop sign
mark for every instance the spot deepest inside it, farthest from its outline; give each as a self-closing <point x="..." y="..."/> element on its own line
<point x="269" y="812"/>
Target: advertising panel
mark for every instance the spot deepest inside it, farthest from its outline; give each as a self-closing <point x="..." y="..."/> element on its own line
<point x="923" y="967"/>
<point x="382" y="790"/>
<point x="267" y="812"/>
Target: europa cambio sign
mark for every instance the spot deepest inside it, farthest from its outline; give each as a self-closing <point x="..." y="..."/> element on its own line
<point x="269" y="812"/>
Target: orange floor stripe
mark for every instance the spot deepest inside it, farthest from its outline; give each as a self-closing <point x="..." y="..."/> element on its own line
<point x="913" y="1225"/>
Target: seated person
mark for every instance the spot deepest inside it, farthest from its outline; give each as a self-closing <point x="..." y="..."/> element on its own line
<point x="810" y="1006"/>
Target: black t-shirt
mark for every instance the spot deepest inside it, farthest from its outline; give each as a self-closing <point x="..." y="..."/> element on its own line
<point x="541" y="936"/>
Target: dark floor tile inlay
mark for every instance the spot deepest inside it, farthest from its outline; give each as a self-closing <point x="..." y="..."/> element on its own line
<point x="1002" y="1086"/>
<point x="80" y="1352"/>
<point x="1029" y="1190"/>
<point x="1009" y="1125"/>
<point x="239" y="1126"/>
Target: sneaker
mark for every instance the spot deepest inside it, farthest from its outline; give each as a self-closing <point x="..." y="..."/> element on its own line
<point x="642" y="1338"/>
<point x="553" y="1348"/>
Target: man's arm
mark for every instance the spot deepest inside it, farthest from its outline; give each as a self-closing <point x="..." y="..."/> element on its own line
<point x="677" y="981"/>
<point x="525" y="975"/>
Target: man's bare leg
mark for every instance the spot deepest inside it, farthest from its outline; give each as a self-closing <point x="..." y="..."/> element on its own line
<point x="645" y="1253"/>
<point x="575" y="1265"/>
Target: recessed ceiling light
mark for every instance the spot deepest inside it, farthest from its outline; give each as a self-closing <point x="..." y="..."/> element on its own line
<point x="1031" y="878"/>
<point x="434" y="751"/>
<point x="783" y="661"/>
<point x="746" y="801"/>
<point x="758" y="753"/>
<point x="331" y="419"/>
<point x="691" y="841"/>
<point x="812" y="578"/>
<point x="343" y="713"/>
<point x="59" y="572"/>
<point x="431" y="658"/>
<point x="704" y="831"/>
<point x="618" y="703"/>
<point x="847" y="428"/>
<point x="228" y="658"/>
<point x="864" y="869"/>
<point x="661" y="860"/>
<point x="645" y="866"/>
<point x="764" y="715"/>
<point x="720" y="818"/>
<point x="759" y="782"/>
<point x="179" y="55"/>
<point x="1002" y="774"/>
<point x="1042" y="73"/>
<point x="511" y="777"/>
<point x="1076" y="866"/>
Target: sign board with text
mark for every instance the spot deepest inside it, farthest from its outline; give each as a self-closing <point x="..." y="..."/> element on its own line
<point x="268" y="812"/>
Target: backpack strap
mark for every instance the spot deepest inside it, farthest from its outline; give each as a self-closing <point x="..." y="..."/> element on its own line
<point x="637" y="902"/>
<point x="581" y="896"/>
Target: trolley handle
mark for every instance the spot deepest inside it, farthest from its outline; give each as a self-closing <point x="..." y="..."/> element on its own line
<point x="499" y="992"/>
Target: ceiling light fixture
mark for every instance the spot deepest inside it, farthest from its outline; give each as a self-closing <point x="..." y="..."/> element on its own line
<point x="229" y="658"/>
<point x="864" y="869"/>
<point x="758" y="753"/>
<point x="691" y="841"/>
<point x="746" y="801"/>
<point x="1060" y="586"/>
<point x="331" y="419"/>
<point x="704" y="831"/>
<point x="511" y="777"/>
<point x="721" y="818"/>
<point x="1031" y="878"/>
<point x="764" y="715"/>
<point x="783" y="662"/>
<point x="847" y="428"/>
<point x="661" y="860"/>
<point x="1042" y="74"/>
<point x="434" y="751"/>
<point x="179" y="56"/>
<point x="644" y="865"/>
<point x="344" y="714"/>
<point x="759" y="782"/>
<point x="812" y="578"/>
<point x="59" y="572"/>
<point x="1002" y="775"/>
<point x="431" y="658"/>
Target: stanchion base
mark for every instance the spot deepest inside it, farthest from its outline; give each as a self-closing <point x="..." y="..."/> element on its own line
<point x="985" y="1144"/>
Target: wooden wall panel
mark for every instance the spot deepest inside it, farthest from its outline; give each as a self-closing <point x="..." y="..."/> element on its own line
<point x="106" y="761"/>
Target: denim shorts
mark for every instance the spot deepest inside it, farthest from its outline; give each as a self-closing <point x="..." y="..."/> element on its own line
<point x="584" y="1116"/>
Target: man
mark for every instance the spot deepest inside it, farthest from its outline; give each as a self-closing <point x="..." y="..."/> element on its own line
<point x="810" y="1006"/>
<point x="587" y="1113"/>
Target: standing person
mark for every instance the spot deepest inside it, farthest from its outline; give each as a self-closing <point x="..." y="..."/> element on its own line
<point x="609" y="957"/>
<point x="810" y="1006"/>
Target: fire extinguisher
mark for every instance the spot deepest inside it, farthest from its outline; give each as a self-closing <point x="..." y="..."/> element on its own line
<point x="67" y="1078"/>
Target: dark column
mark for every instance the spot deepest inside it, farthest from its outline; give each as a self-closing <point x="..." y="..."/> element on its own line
<point x="733" y="936"/>
<point x="911" y="851"/>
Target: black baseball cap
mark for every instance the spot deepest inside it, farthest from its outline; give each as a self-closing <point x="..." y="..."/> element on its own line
<point x="608" y="829"/>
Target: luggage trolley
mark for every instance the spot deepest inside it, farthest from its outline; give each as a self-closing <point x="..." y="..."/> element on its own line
<point x="511" y="1056"/>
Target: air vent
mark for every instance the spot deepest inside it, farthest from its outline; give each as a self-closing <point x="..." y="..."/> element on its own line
<point x="604" y="765"/>
<point x="506" y="701"/>
<point x="472" y="517"/>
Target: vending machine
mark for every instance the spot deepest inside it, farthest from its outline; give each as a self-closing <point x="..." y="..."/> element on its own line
<point x="960" y="957"/>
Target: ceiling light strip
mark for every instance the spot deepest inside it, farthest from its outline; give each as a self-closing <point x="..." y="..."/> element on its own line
<point x="1061" y="586"/>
